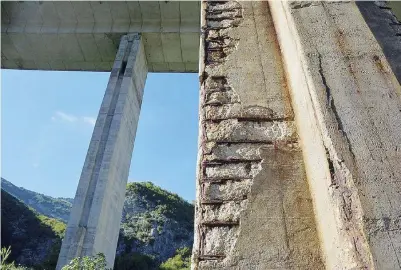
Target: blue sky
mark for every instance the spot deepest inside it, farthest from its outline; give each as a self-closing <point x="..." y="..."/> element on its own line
<point x="47" y="120"/>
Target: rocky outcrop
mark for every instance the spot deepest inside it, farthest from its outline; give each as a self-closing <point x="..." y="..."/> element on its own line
<point x="154" y="222"/>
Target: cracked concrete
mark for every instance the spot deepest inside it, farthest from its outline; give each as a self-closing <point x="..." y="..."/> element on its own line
<point x="300" y="122"/>
<point x="250" y="166"/>
<point x="347" y="110"/>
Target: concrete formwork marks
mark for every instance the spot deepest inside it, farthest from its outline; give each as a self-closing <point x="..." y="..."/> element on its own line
<point x="253" y="209"/>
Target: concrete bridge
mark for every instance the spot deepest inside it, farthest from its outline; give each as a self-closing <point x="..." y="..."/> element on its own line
<point x="85" y="35"/>
<point x="299" y="132"/>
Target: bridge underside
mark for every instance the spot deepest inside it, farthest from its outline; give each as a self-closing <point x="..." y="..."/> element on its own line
<point x="299" y="145"/>
<point x="75" y="35"/>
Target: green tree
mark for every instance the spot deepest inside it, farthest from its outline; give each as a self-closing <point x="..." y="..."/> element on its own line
<point x="4" y="254"/>
<point x="34" y="231"/>
<point x="181" y="261"/>
<point x="97" y="262"/>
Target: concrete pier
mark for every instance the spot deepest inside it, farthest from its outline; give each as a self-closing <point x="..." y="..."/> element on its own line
<point x="299" y="146"/>
<point x="96" y="214"/>
<point x="346" y="99"/>
<point x="254" y="209"/>
<point x="299" y="127"/>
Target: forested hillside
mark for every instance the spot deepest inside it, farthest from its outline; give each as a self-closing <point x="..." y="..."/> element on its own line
<point x="34" y="239"/>
<point x="156" y="227"/>
<point x="52" y="207"/>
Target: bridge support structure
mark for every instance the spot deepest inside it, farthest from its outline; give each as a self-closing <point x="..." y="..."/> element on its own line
<point x="346" y="97"/>
<point x="299" y="141"/>
<point x="299" y="145"/>
<point x="96" y="213"/>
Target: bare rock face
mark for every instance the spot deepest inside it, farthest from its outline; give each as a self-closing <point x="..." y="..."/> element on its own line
<point x="254" y="209"/>
<point x="154" y="223"/>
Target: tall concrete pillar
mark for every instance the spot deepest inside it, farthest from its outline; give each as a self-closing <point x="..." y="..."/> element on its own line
<point x="346" y="100"/>
<point x="298" y="106"/>
<point x="96" y="213"/>
<point x="253" y="209"/>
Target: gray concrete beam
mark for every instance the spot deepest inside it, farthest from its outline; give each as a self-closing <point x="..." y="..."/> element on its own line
<point x="84" y="35"/>
<point x="96" y="213"/>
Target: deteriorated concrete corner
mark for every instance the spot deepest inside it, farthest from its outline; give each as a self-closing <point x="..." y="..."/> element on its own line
<point x="253" y="210"/>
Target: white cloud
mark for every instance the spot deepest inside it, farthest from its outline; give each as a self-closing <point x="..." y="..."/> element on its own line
<point x="70" y="118"/>
<point x="65" y="116"/>
<point x="89" y="120"/>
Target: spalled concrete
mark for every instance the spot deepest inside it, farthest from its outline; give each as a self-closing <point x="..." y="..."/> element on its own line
<point x="96" y="213"/>
<point x="299" y="132"/>
<point x="254" y="209"/>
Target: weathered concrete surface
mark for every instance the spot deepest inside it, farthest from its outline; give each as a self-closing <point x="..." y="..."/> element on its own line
<point x="96" y="213"/>
<point x="386" y="28"/>
<point x="395" y="8"/>
<point x="253" y="205"/>
<point x="347" y="107"/>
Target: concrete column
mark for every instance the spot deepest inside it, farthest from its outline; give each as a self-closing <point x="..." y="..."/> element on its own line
<point x="347" y="105"/>
<point x="96" y="213"/>
<point x="253" y="206"/>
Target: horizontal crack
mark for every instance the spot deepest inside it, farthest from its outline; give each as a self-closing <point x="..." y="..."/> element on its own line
<point x="262" y="119"/>
<point x="218" y="103"/>
<point x="211" y="257"/>
<point x="224" y="179"/>
<point x="220" y="223"/>
<point x="219" y="202"/>
<point x="248" y="119"/>
<point x="271" y="142"/>
<point x="219" y="162"/>
<point x="223" y="18"/>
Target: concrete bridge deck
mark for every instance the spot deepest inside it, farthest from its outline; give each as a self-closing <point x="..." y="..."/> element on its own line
<point x="76" y="35"/>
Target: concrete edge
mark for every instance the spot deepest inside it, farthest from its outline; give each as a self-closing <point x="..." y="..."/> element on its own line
<point x="338" y="251"/>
